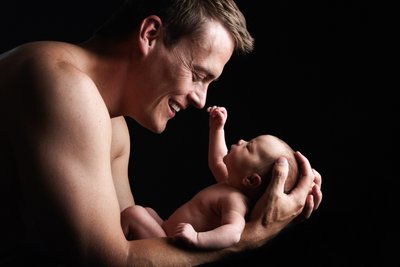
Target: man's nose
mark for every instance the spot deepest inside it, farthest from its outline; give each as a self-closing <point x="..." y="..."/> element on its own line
<point x="198" y="97"/>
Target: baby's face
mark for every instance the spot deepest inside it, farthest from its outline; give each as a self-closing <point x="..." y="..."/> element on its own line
<point x="245" y="158"/>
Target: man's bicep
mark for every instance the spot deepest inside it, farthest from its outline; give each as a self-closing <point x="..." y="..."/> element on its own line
<point x="64" y="166"/>
<point x="120" y="151"/>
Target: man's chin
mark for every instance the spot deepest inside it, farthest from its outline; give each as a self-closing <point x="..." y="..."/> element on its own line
<point x="154" y="127"/>
<point x="159" y="128"/>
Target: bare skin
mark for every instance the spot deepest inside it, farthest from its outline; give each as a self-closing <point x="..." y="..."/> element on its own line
<point x="215" y="217"/>
<point x="65" y="145"/>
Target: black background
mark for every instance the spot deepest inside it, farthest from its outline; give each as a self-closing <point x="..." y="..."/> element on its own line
<point x="316" y="79"/>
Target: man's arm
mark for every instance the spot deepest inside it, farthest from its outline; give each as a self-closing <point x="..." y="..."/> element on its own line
<point x="181" y="256"/>
<point x="217" y="148"/>
<point x="63" y="142"/>
<point x="120" y="151"/>
<point x="63" y="138"/>
<point x="272" y="213"/>
<point x="63" y="153"/>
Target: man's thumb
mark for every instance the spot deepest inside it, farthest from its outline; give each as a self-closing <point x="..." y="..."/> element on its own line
<point x="280" y="173"/>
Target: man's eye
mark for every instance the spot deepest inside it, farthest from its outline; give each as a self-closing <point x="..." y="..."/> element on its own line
<point x="248" y="146"/>
<point x="197" y="77"/>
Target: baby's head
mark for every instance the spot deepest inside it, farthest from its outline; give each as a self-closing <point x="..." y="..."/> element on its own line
<point x="250" y="164"/>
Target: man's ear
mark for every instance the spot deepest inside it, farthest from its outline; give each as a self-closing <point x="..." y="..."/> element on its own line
<point x="149" y="33"/>
<point x="252" y="181"/>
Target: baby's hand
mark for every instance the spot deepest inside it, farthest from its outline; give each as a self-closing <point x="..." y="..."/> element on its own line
<point x="185" y="233"/>
<point x="218" y="116"/>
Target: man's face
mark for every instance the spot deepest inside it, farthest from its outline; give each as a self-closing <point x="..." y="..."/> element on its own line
<point x="179" y="76"/>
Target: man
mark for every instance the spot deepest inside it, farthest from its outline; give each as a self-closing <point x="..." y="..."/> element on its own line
<point x="65" y="144"/>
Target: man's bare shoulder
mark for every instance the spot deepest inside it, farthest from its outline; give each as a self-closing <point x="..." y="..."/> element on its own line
<point x="46" y="82"/>
<point x="46" y="68"/>
<point x="44" y="51"/>
<point x="41" y="61"/>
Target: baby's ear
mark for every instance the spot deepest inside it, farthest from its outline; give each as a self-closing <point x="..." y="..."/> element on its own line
<point x="252" y="181"/>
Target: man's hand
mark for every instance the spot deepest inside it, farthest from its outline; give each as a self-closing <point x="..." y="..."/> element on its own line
<point x="314" y="196"/>
<point x="276" y="209"/>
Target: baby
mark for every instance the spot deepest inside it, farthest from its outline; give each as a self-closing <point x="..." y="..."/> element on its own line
<point x="216" y="216"/>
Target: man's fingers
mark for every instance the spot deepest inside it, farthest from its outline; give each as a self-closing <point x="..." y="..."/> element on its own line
<point x="317" y="179"/>
<point x="309" y="203"/>
<point x="317" y="196"/>
<point x="267" y="202"/>
<point x="306" y="179"/>
<point x="307" y="210"/>
<point x="305" y="166"/>
<point x="279" y="174"/>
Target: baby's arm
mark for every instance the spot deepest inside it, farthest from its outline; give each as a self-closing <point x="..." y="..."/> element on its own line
<point x="233" y="211"/>
<point x="217" y="148"/>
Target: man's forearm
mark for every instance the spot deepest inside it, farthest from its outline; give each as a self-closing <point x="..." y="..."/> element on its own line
<point x="164" y="252"/>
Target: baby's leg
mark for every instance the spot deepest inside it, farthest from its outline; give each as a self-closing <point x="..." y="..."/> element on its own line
<point x="155" y="215"/>
<point x="138" y="223"/>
